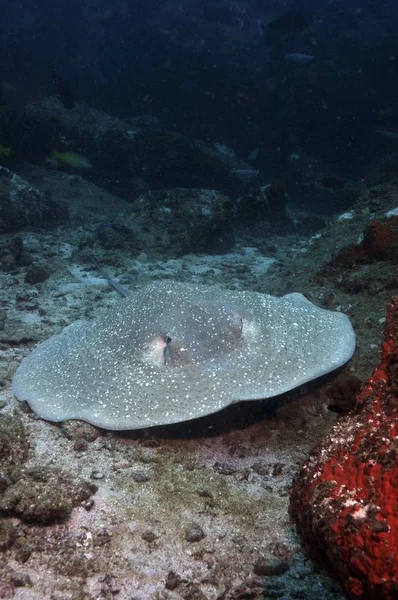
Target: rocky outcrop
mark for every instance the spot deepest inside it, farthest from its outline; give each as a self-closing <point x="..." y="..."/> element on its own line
<point x="129" y="156"/>
<point x="24" y="207"/>
<point x="264" y="208"/>
<point x="345" y="498"/>
<point x="316" y="187"/>
<point x="380" y="242"/>
<point x="182" y="221"/>
<point x="384" y="170"/>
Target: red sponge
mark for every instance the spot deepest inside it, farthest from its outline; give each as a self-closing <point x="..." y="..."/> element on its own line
<point x="345" y="498"/>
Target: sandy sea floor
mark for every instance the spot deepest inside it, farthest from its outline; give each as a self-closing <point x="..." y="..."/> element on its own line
<point x="196" y="511"/>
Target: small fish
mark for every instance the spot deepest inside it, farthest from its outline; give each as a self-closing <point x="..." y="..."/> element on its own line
<point x="290" y="22"/>
<point x="116" y="286"/>
<point x="73" y="159"/>
<point x="245" y="174"/>
<point x="254" y="154"/>
<point x="384" y="113"/>
<point x="299" y="57"/>
<point x="5" y="151"/>
<point x="391" y="135"/>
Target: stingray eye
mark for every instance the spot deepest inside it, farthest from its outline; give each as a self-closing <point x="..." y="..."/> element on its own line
<point x="236" y="322"/>
<point x="166" y="351"/>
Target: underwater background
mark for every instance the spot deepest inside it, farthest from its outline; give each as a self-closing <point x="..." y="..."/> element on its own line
<point x="156" y="148"/>
<point x="217" y="71"/>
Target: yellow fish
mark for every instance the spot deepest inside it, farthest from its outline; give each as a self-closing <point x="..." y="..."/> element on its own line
<point x="5" y="151"/>
<point x="73" y="159"/>
<point x="384" y="113"/>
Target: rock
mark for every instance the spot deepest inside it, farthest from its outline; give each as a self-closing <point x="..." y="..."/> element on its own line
<point x="172" y="581"/>
<point x="25" y="207"/>
<point x="381" y="239"/>
<point x="37" y="274"/>
<point x="111" y="236"/>
<point x="88" y="504"/>
<point x="13" y="444"/>
<point x="270" y="568"/>
<point x="78" y="430"/>
<point x="181" y="221"/>
<point x="44" y="495"/>
<point x="6" y="590"/>
<point x="265" y="204"/>
<point x="21" y="579"/>
<point x="149" y="536"/>
<point x="194" y="533"/>
<point x="315" y="187"/>
<point x="140" y="477"/>
<point x="380" y="242"/>
<point x="224" y="468"/>
<point x="131" y="156"/>
<point x="343" y="393"/>
<point x="97" y="475"/>
<point x="81" y="445"/>
<point x="4" y="483"/>
<point x="8" y="535"/>
<point x="23" y="549"/>
<point x="11" y="252"/>
<point x="344" y="500"/>
<point x="384" y="170"/>
<point x="33" y="501"/>
<point x="173" y="160"/>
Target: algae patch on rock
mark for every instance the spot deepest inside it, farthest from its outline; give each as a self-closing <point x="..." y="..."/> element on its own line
<point x="36" y="494"/>
<point x="13" y="444"/>
<point x="44" y="495"/>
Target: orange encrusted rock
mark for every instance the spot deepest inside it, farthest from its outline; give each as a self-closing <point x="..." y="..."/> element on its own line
<point x="380" y="242"/>
<point x="345" y="498"/>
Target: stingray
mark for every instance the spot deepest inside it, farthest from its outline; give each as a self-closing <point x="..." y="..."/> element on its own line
<point x="175" y="351"/>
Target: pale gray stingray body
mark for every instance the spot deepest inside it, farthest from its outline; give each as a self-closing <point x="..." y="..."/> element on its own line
<point x="173" y="351"/>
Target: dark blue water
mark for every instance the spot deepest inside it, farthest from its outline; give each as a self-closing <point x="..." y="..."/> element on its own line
<point x="213" y="69"/>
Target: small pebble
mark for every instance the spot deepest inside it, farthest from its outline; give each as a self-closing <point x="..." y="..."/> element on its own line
<point x="255" y="582"/>
<point x="20" y="579"/>
<point x="149" y="536"/>
<point x="8" y="534"/>
<point x="122" y="465"/>
<point x="25" y="259"/>
<point x="37" y="274"/>
<point x="140" y="477"/>
<point x="271" y="568"/>
<point x="277" y="469"/>
<point x="80" y="445"/>
<point x="173" y="580"/>
<point x="224" y="468"/>
<point x="261" y="468"/>
<point x="23" y="550"/>
<point x="4" y="483"/>
<point x="97" y="475"/>
<point x="88" y="504"/>
<point x="194" y="533"/>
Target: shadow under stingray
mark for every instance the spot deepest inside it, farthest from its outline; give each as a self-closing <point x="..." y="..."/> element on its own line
<point x="234" y="417"/>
